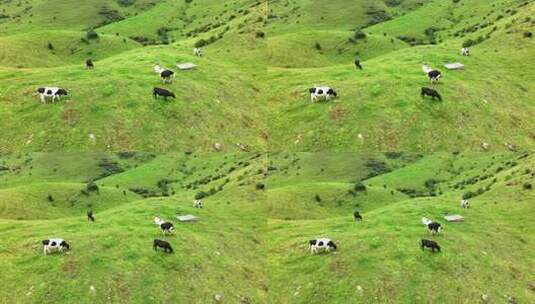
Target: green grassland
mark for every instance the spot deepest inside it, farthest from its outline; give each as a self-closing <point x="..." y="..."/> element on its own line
<point x="260" y="59"/>
<point x="379" y="108"/>
<point x="112" y="108"/>
<point x="220" y="254"/>
<point x="379" y="259"/>
<point x="260" y="210"/>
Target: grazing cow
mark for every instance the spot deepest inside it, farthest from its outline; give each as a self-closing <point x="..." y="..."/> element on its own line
<point x="166" y="227"/>
<point x="198" y="204"/>
<point x="90" y="216"/>
<point x="53" y="92"/>
<point x="197" y="52"/>
<point x="465" y="51"/>
<point x="322" y="244"/>
<point x="321" y="93"/>
<point x="162" y="244"/>
<point x="89" y="64"/>
<point x="429" y="244"/>
<point x="357" y="216"/>
<point x="430" y="92"/>
<point x="167" y="76"/>
<point x="433" y="227"/>
<point x="162" y="92"/>
<point x="465" y="204"/>
<point x="52" y="245"/>
<point x="357" y="64"/>
<point x="434" y="75"/>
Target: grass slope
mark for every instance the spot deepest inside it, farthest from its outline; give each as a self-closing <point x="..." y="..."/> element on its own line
<point x="379" y="108"/>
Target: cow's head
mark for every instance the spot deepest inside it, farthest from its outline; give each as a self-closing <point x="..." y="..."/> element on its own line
<point x="332" y="245"/>
<point x="65" y="245"/>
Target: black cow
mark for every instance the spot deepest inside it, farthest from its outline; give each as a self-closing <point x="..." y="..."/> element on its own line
<point x="162" y="92"/>
<point x="90" y="216"/>
<point x="429" y="244"/>
<point x="167" y="228"/>
<point x="434" y="227"/>
<point x="89" y="64"/>
<point x="357" y="64"/>
<point x="430" y="92"/>
<point x="357" y="216"/>
<point x="167" y="75"/>
<point x="162" y="244"/>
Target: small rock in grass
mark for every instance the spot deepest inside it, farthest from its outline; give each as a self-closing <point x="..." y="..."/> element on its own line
<point x="218" y="298"/>
<point x="92" y="288"/>
<point x="218" y="147"/>
<point x="485" y="298"/>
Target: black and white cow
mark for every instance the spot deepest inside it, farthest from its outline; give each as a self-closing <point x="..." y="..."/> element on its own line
<point x="53" y="92"/>
<point x="167" y="76"/>
<point x="322" y="244"/>
<point x="465" y="204"/>
<point x="165" y="226"/>
<point x="429" y="244"/>
<point x="162" y="92"/>
<point x="198" y="204"/>
<point x="163" y="245"/>
<point x="465" y="51"/>
<point x="433" y="227"/>
<point x="90" y="216"/>
<point x="89" y="64"/>
<point x="197" y="52"/>
<point x="434" y="75"/>
<point x="430" y="92"/>
<point x="357" y="216"/>
<point x="53" y="245"/>
<point x="321" y="93"/>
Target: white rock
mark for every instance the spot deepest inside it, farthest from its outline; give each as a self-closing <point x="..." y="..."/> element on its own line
<point x="218" y="298"/>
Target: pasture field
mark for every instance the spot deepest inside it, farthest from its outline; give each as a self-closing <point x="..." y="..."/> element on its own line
<point x="260" y="59"/>
<point x="250" y="243"/>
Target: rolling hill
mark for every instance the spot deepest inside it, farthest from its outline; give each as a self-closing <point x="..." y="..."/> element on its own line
<point x="260" y="211"/>
<point x="260" y="60"/>
<point x="379" y="108"/>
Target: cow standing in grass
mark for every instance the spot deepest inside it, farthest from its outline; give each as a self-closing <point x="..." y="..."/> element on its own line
<point x="429" y="244"/>
<point x="55" y="244"/>
<point x="90" y="216"/>
<point x="434" y="75"/>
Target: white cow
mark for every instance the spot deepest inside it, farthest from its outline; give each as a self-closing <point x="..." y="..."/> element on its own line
<point x="465" y="51"/>
<point x="53" y="92"/>
<point x="198" y="52"/>
<point x="321" y="93"/>
<point x="55" y="244"/>
<point x="198" y="204"/>
<point x="465" y="204"/>
<point x="321" y="244"/>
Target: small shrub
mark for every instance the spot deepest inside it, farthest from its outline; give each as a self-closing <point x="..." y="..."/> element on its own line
<point x="50" y="198"/>
<point x="91" y="34"/>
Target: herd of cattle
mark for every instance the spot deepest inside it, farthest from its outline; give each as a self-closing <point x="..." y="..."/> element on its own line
<point x="326" y="93"/>
<point x="434" y="228"/>
<point x="60" y="245"/>
<point x="166" y="75"/>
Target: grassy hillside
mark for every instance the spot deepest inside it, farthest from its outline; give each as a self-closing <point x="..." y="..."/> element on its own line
<point x="260" y="210"/>
<point x="379" y="259"/>
<point x="379" y="108"/>
<point x="112" y="259"/>
<point x="217" y="103"/>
